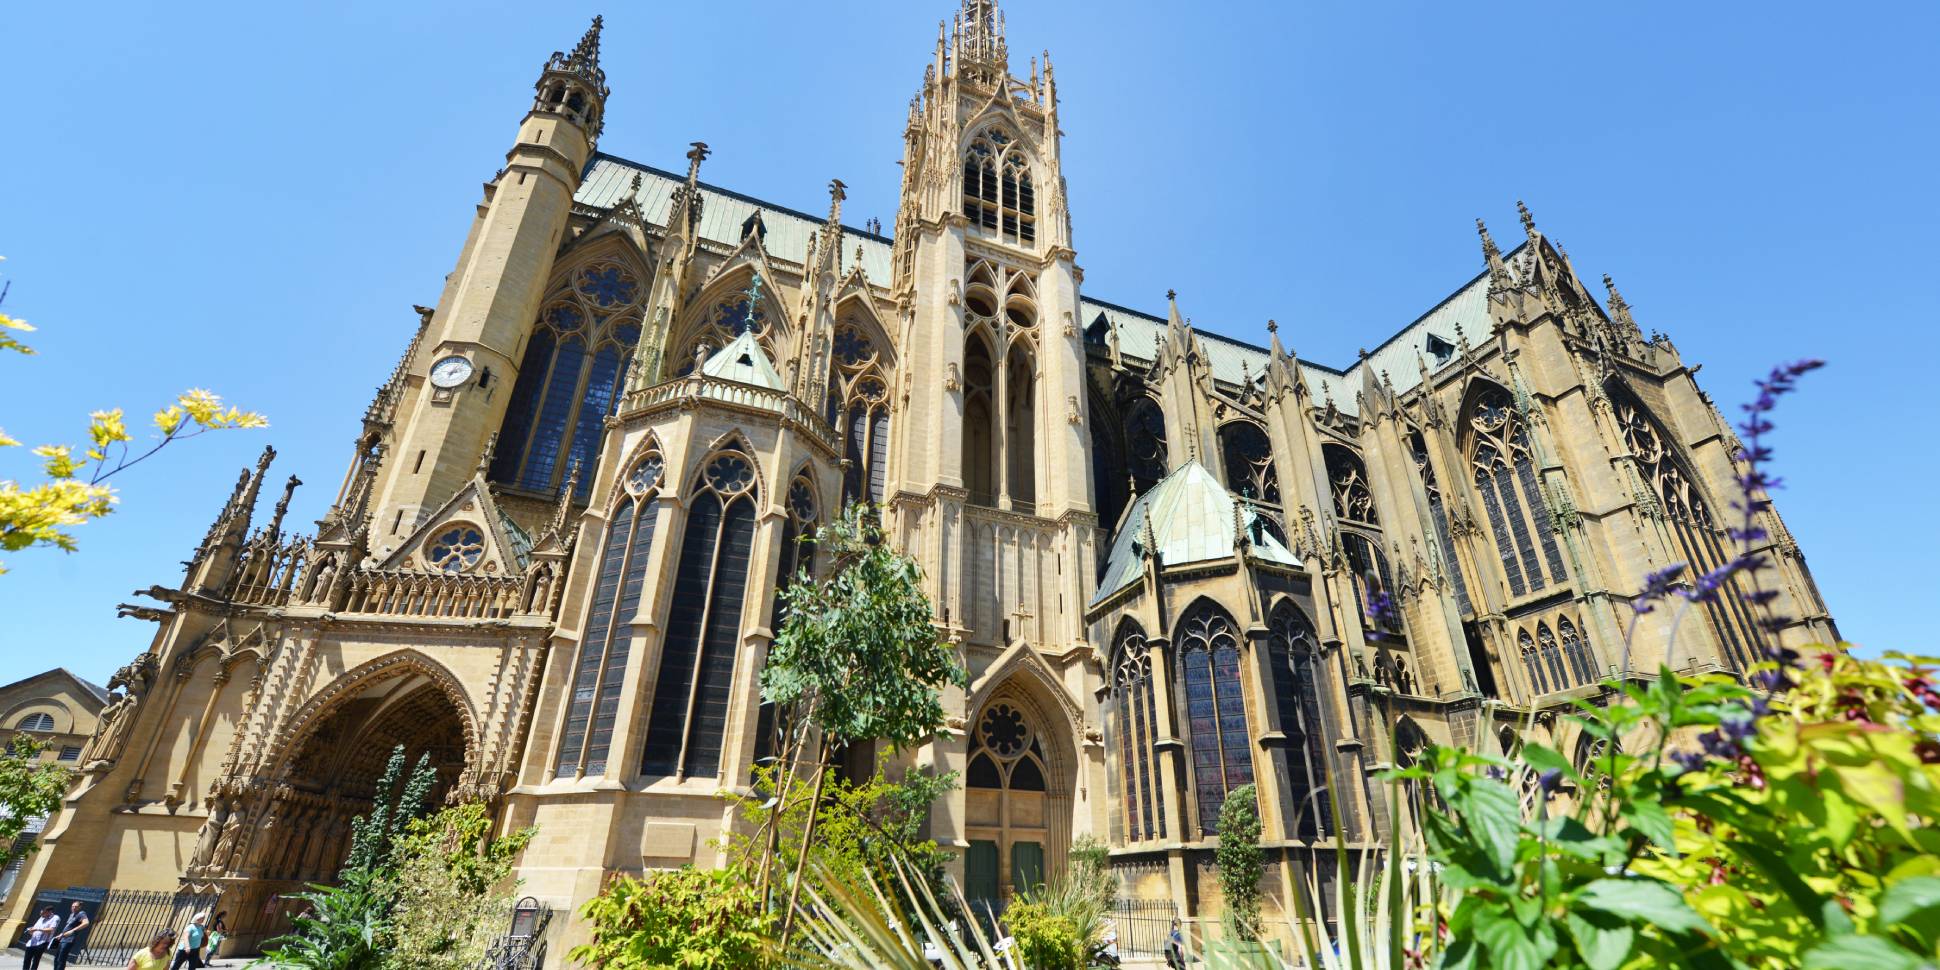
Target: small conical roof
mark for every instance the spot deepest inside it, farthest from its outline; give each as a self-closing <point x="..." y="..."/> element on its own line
<point x="743" y="360"/>
<point x="1192" y="518"/>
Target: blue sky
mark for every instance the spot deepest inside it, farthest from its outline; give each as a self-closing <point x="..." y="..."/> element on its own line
<point x="250" y="198"/>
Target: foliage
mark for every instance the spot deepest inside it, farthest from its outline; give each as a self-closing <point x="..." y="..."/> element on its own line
<point x="75" y="489"/>
<point x="337" y="929"/>
<point x="1240" y="859"/>
<point x="450" y="888"/>
<point x="1088" y="864"/>
<point x="400" y="801"/>
<point x="862" y="828"/>
<point x="890" y="922"/>
<point x="688" y="918"/>
<point x="29" y="789"/>
<point x="1059" y="924"/>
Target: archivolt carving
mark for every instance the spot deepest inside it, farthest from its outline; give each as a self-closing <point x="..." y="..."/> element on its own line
<point x="354" y="682"/>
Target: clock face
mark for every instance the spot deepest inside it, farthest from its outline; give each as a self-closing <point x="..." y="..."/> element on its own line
<point x="451" y="372"/>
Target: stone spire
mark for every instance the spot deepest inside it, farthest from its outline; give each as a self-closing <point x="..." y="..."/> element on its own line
<point x="982" y="55"/>
<point x="573" y="85"/>
<point x="1498" y="270"/>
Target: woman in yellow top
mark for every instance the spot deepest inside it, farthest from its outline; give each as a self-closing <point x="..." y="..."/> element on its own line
<point x="155" y="957"/>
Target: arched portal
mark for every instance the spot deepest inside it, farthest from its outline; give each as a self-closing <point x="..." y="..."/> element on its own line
<point x="1018" y="785"/>
<point x="301" y="828"/>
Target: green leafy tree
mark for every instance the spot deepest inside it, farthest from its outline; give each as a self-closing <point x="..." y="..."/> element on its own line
<point x="1089" y="867"/>
<point x="74" y="489"/>
<point x="401" y="799"/>
<point x="1241" y="861"/>
<point x="30" y="788"/>
<point x="679" y="918"/>
<point x="451" y="887"/>
<point x="857" y="659"/>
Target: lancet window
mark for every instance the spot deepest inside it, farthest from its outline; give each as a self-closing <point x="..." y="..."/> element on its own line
<point x="1504" y="472"/>
<point x="1532" y="663"/>
<point x="1216" y="725"/>
<point x="858" y="407"/>
<point x="1296" y="698"/>
<point x="569" y="379"/>
<point x="604" y="643"/>
<point x="1552" y="657"/>
<point x="998" y="195"/>
<point x="797" y="559"/>
<point x="1688" y="518"/>
<point x="1134" y="721"/>
<point x="1576" y="652"/>
<point x="1145" y="455"/>
<point x="1248" y="457"/>
<point x="1438" y="511"/>
<point x="979" y="422"/>
<point x="1347" y="479"/>
<point x="688" y="719"/>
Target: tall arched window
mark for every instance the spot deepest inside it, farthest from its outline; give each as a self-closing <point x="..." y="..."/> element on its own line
<point x="1006" y="775"/>
<point x="1020" y="428"/>
<point x="979" y="416"/>
<point x="569" y="379"/>
<point x="605" y="642"/>
<point x="1145" y="443"/>
<point x="1532" y="661"/>
<point x="998" y="195"/>
<point x="1296" y="699"/>
<point x="1576" y="651"/>
<point x="688" y="720"/>
<point x="858" y="406"/>
<point x="1552" y="656"/>
<point x="1688" y="518"/>
<point x="1135" y="723"/>
<point x="1347" y="478"/>
<point x="1505" y="475"/>
<point x="1248" y="458"/>
<point x="1366" y="564"/>
<point x="797" y="559"/>
<point x="1438" y="510"/>
<point x="1216" y="726"/>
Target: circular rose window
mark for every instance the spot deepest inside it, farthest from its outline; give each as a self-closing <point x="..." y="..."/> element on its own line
<point x="456" y="549"/>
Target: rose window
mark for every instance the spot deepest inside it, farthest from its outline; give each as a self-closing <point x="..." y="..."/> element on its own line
<point x="1003" y="731"/>
<point x="607" y="285"/>
<point x="730" y="474"/>
<point x="645" y="474"/>
<point x="456" y="549"/>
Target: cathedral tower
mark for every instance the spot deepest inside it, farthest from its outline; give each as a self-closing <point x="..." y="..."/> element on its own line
<point x="471" y="350"/>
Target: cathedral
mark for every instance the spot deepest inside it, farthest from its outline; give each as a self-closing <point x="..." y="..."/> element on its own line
<point x="1165" y="556"/>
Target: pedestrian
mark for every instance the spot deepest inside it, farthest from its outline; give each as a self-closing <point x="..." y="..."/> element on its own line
<point x="189" y="954"/>
<point x="39" y="936"/>
<point x="218" y="931"/>
<point x="155" y="955"/>
<point x="73" y="934"/>
<point x="1175" y="947"/>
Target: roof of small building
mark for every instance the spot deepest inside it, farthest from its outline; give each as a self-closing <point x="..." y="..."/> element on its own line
<point x="94" y="690"/>
<point x="743" y="360"/>
<point x="1191" y="519"/>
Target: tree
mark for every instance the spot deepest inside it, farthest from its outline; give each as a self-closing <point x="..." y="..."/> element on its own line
<point x="451" y="889"/>
<point x="29" y="789"/>
<point x="75" y="490"/>
<point x="1240" y="860"/>
<point x="400" y="801"/>
<point x="857" y="659"/>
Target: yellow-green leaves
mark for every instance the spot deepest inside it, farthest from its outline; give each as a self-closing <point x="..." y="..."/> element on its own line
<point x="7" y="340"/>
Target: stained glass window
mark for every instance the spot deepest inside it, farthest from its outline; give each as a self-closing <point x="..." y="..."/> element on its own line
<point x="569" y="379"/>
<point x="1438" y="511"/>
<point x="456" y="549"/>
<point x="1248" y="457"/>
<point x="1135" y="722"/>
<point x="1577" y="650"/>
<point x="1222" y="755"/>
<point x="1296" y="701"/>
<point x="1504" y="471"/>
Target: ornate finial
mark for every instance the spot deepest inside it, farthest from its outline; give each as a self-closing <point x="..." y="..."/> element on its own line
<point x="696" y="154"/>
<point x="1272" y="326"/>
<point x="753" y="296"/>
<point x="1528" y="221"/>
<point x="1171" y="296"/>
<point x="837" y="192"/>
<point x="1363" y="353"/>
<point x="565" y="499"/>
<point x="588" y="49"/>
<point x="485" y="460"/>
<point x="1488" y="242"/>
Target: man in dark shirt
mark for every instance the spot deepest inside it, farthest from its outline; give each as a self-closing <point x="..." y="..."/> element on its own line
<point x="72" y="934"/>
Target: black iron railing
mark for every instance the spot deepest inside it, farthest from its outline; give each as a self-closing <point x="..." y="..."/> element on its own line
<point x="1143" y="925"/>
<point x="122" y="921"/>
<point x="524" y="946"/>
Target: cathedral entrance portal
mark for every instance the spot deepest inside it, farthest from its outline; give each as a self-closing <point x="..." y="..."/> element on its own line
<point x="330" y="778"/>
<point x="1017" y="785"/>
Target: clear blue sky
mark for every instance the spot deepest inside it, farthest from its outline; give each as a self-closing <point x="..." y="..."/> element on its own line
<point x="251" y="197"/>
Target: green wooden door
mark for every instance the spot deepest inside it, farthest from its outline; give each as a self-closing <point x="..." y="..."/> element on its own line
<point x="980" y="870"/>
<point x="1026" y="866"/>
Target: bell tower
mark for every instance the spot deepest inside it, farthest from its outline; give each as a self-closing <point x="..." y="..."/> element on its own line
<point x="469" y="353"/>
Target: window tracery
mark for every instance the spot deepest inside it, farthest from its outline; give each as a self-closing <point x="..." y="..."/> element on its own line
<point x="1576" y="652"/>
<point x="1347" y="477"/>
<point x="1438" y="511"/>
<point x="687" y="722"/>
<point x="1296" y="695"/>
<point x="797" y="559"/>
<point x="724" y="320"/>
<point x="1248" y="457"/>
<point x="1222" y="754"/>
<point x="998" y="195"/>
<point x="569" y="378"/>
<point x="1007" y="752"/>
<point x="1690" y="522"/>
<point x="858" y="407"/>
<point x="1552" y="656"/>
<point x="1532" y="662"/>
<point x="456" y="549"/>
<point x="1145" y="443"/>
<point x="1135" y="722"/>
<point x="606" y="641"/>
<point x="1504" y="471"/>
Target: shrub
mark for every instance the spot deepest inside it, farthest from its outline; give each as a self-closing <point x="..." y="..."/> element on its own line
<point x="1241" y="861"/>
<point x="1047" y="938"/>
<point x="689" y="918"/>
<point x="451" y="888"/>
<point x="1090" y="867"/>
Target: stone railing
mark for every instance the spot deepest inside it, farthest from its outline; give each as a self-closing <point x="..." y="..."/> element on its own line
<point x="405" y="593"/>
<point x="697" y="388"/>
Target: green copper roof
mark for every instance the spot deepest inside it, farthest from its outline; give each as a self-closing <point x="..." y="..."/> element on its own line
<point x="743" y="360"/>
<point x="1191" y="517"/>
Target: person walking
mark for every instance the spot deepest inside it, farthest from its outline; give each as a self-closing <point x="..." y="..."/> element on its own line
<point x="218" y="931"/>
<point x="39" y="936"/>
<point x="73" y="933"/>
<point x="155" y="955"/>
<point x="189" y="954"/>
<point x="1175" y="947"/>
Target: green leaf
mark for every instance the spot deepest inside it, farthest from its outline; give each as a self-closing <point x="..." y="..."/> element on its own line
<point x="1493" y="815"/>
<point x="1643" y="900"/>
<point x="1602" y="940"/>
<point x="1914" y="903"/>
<point x="1509" y="944"/>
<point x="1809" y="902"/>
<point x="1652" y="822"/>
<point x="1855" y="952"/>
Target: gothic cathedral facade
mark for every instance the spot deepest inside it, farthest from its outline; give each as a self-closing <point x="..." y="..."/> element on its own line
<point x="552" y="564"/>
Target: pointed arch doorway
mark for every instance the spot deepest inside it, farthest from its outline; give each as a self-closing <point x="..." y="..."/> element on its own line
<point x="1018" y="784"/>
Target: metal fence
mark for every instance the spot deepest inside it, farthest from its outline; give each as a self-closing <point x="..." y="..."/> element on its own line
<point x="124" y="920"/>
<point x="1143" y="925"/>
<point x="524" y="947"/>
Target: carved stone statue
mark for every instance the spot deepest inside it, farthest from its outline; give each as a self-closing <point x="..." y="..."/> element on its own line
<point x="133" y="681"/>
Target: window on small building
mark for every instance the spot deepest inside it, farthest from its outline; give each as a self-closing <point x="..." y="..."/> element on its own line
<point x="38" y="721"/>
<point x="71" y="752"/>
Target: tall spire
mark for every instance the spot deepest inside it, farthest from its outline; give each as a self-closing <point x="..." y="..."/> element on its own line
<point x="574" y="85"/>
<point x="982" y="53"/>
<point x="1498" y="270"/>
